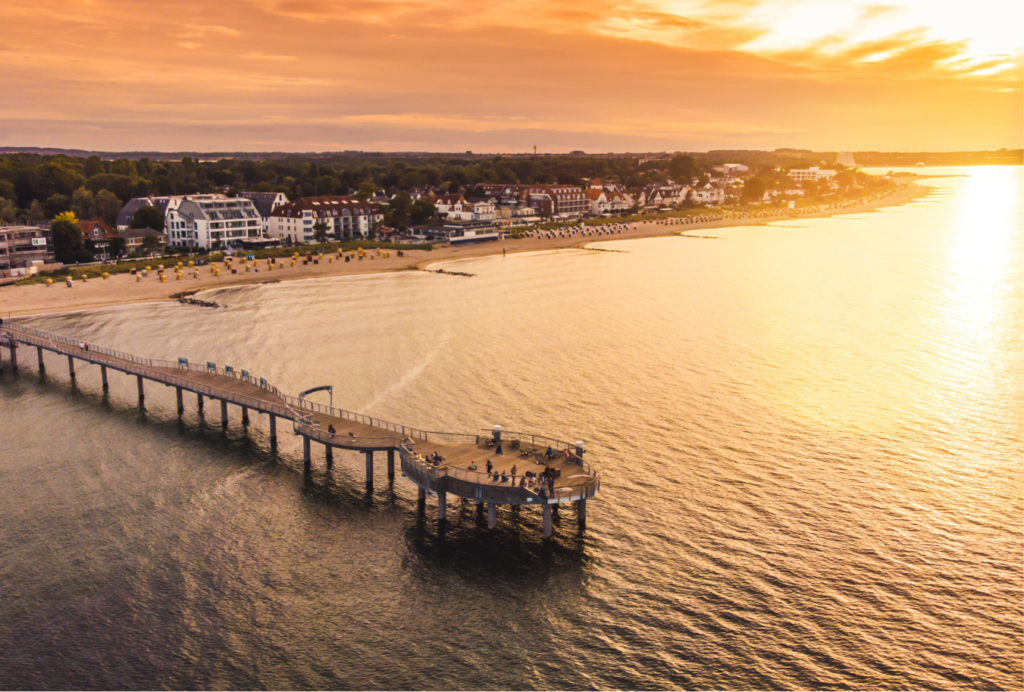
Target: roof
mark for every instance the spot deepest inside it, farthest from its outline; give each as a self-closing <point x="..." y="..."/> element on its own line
<point x="140" y="233"/>
<point x="88" y="225"/>
<point x="124" y="217"/>
<point x="326" y="206"/>
<point x="261" y="196"/>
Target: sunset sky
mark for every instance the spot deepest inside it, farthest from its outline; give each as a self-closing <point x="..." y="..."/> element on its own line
<point x="628" y="75"/>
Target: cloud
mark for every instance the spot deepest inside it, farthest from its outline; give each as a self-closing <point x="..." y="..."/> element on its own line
<point x="202" y="31"/>
<point x="263" y="56"/>
<point x="632" y="74"/>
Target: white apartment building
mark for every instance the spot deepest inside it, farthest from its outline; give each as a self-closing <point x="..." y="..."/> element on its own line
<point x="345" y="217"/>
<point x="813" y="173"/>
<point x="211" y="221"/>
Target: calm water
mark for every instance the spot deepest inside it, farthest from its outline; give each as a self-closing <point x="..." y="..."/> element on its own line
<point x="810" y="436"/>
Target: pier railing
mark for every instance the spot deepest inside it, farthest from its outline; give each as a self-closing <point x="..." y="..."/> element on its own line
<point x="483" y="487"/>
<point x="310" y="428"/>
<point x="459" y="481"/>
<point x="398" y="428"/>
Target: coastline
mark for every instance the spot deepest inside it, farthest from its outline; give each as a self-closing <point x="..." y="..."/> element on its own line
<point x="123" y="289"/>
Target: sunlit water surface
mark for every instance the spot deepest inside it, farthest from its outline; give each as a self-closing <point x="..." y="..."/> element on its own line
<point x="810" y="436"/>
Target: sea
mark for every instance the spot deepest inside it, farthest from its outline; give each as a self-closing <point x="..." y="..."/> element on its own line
<point x="809" y="434"/>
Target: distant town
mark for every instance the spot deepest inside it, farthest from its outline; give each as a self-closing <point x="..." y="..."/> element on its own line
<point x="58" y="209"/>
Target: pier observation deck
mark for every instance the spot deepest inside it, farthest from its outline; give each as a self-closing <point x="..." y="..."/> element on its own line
<point x="530" y="470"/>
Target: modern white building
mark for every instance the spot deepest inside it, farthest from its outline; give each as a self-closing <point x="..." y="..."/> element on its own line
<point x="813" y="173"/>
<point x="345" y="217"/>
<point x="211" y="221"/>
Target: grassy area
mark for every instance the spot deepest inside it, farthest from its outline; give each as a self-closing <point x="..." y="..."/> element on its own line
<point x="124" y="267"/>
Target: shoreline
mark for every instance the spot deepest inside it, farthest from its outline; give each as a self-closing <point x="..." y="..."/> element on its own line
<point x="123" y="289"/>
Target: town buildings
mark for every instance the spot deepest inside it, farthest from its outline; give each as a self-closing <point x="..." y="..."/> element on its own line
<point x="265" y="203"/>
<point x="212" y="222"/>
<point x="555" y="201"/>
<point x="709" y="193"/>
<point x="667" y="194"/>
<point x="24" y="250"/>
<point x="345" y="217"/>
<point x="127" y="213"/>
<point x="813" y="173"/>
<point x="101" y="239"/>
<point x="134" y="241"/>
<point x="732" y="169"/>
<point x="604" y="201"/>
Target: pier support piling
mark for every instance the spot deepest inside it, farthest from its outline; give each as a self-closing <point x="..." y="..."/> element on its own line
<point x="581" y="513"/>
<point x="14" y="356"/>
<point x="492" y="515"/>
<point x="103" y="377"/>
<point x="245" y="415"/>
<point x="421" y="501"/>
<point x="142" y="392"/>
<point x="273" y="431"/>
<point x="224" y="413"/>
<point x="391" y="464"/>
<point x="307" y="461"/>
<point x="181" y="401"/>
<point x="329" y="452"/>
<point x="442" y="506"/>
<point x="71" y="366"/>
<point x="546" y="531"/>
<point x="199" y="402"/>
<point x="39" y="353"/>
<point x="369" y="468"/>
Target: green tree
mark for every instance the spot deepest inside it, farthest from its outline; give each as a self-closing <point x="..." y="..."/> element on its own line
<point x="422" y="212"/>
<point x="35" y="212"/>
<point x="320" y="232"/>
<point x="683" y="168"/>
<point x="121" y="185"/>
<point x="846" y="179"/>
<point x="107" y="206"/>
<point x="399" y="213"/>
<point x="93" y="165"/>
<point x="124" y="167"/>
<point x="754" y="189"/>
<point x="148" y="217"/>
<point x="151" y="243"/>
<point x="83" y="204"/>
<point x="55" y="204"/>
<point x="366" y="190"/>
<point x="68" y="244"/>
<point x="326" y="185"/>
<point x="8" y="211"/>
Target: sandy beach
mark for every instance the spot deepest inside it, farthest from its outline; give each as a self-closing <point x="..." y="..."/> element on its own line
<point x="123" y="289"/>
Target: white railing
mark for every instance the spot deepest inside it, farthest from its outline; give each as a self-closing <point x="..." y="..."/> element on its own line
<point x="484" y="486"/>
<point x="476" y="483"/>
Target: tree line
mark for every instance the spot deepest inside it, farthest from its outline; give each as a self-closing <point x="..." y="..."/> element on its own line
<point x="36" y="188"/>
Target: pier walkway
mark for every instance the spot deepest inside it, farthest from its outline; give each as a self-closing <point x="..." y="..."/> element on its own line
<point x="438" y="463"/>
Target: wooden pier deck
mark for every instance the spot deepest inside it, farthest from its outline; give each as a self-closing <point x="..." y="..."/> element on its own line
<point x="568" y="478"/>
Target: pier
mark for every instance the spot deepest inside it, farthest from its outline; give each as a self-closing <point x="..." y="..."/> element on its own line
<point x="491" y="466"/>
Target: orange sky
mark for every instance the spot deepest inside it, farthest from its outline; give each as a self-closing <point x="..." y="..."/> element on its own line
<point x="623" y="75"/>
